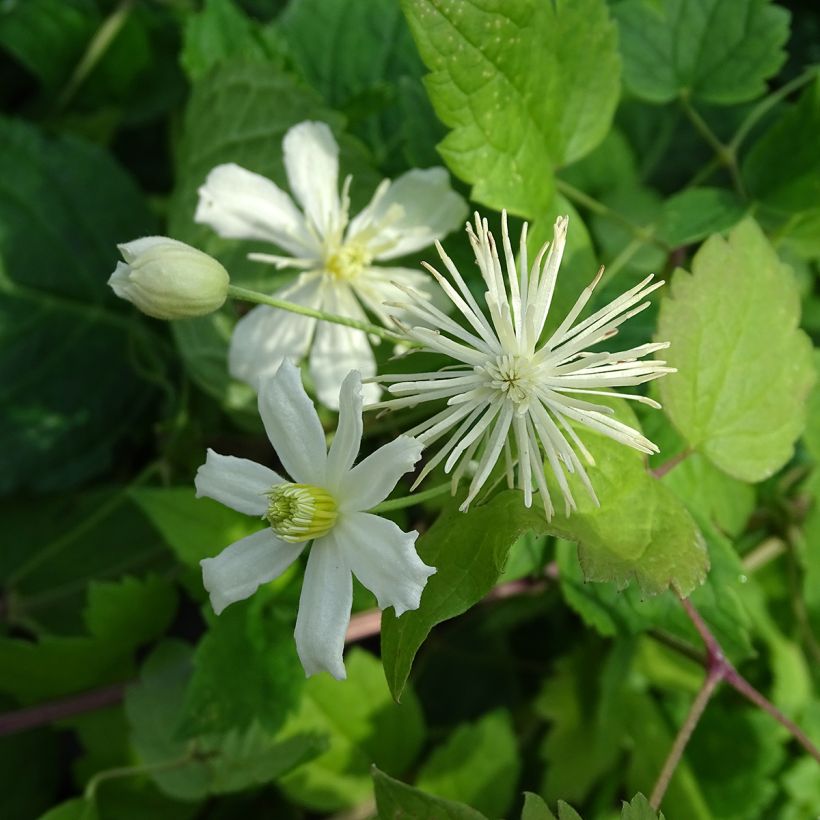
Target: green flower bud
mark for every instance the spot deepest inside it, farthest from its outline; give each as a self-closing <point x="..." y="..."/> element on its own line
<point x="168" y="279"/>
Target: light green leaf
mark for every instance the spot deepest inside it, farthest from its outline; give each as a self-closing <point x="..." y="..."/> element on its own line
<point x="744" y="368"/>
<point x="398" y="801"/>
<point x="364" y="727"/>
<point x="194" y="528"/>
<point x="717" y="52"/>
<point x="694" y="214"/>
<point x="478" y="764"/>
<point x="782" y="168"/>
<point x="639" y="809"/>
<point x="535" y="808"/>
<point x="469" y="551"/>
<point x="70" y="392"/>
<point x="566" y="812"/>
<point x="78" y="808"/>
<point x="514" y="81"/>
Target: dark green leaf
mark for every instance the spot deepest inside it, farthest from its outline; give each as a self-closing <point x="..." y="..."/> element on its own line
<point x="535" y="808"/>
<point x="696" y="213"/>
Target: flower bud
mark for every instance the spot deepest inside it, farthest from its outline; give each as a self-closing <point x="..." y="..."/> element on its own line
<point x="168" y="279"/>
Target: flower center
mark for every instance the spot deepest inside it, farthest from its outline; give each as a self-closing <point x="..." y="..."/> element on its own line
<point x="514" y="377"/>
<point x="300" y="512"/>
<point x="347" y="261"/>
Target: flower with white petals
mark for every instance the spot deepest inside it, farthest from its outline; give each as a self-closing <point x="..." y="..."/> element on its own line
<point x="510" y="391"/>
<point x="325" y="503"/>
<point x="336" y="254"/>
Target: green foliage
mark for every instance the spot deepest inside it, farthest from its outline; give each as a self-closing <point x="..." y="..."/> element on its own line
<point x="519" y="94"/>
<point x="694" y="214"/>
<point x="716" y="52"/>
<point x="743" y="374"/>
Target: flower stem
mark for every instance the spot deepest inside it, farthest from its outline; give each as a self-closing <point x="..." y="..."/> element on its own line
<point x="411" y="500"/>
<point x="662" y="469"/>
<point x="134" y="771"/>
<point x="246" y="295"/>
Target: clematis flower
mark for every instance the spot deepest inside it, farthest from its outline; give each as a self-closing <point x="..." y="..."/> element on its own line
<point x="510" y="392"/>
<point x="338" y="256"/>
<point x="325" y="506"/>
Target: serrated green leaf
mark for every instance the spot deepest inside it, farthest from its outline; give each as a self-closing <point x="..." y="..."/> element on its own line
<point x="364" y="727"/>
<point x="782" y="168"/>
<point x="638" y="808"/>
<point x="478" y="764"/>
<point x="715" y="51"/>
<point x="69" y="394"/>
<point x="744" y="368"/>
<point x="696" y="213"/>
<point x="535" y="808"/>
<point x="513" y="81"/>
<point x="469" y="551"/>
<point x="398" y="801"/>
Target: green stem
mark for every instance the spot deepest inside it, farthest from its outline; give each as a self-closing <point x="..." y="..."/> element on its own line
<point x="90" y="793"/>
<point x="620" y="261"/>
<point x="246" y="295"/>
<point x="641" y="234"/>
<point x="411" y="500"/>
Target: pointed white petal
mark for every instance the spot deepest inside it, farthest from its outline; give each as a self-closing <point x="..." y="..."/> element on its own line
<point x="384" y="559"/>
<point x="338" y="349"/>
<point x="312" y="165"/>
<point x="239" y="570"/>
<point x="293" y="426"/>
<point x="324" y="609"/>
<point x="418" y="208"/>
<point x="266" y="336"/>
<point x="239" y="204"/>
<point x="348" y="438"/>
<point x="373" y="479"/>
<point x="235" y="482"/>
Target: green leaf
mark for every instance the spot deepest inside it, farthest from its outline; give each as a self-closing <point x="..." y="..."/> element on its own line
<point x="782" y="168"/>
<point x="251" y="637"/>
<point x="514" y="82"/>
<point x="398" y="801"/>
<point x="535" y="808"/>
<point x="69" y="391"/>
<point x="240" y="114"/>
<point x="566" y="812"/>
<point x="77" y="808"/>
<point x="694" y="214"/>
<point x="194" y="528"/>
<point x="363" y="725"/>
<point x="29" y="770"/>
<point x="469" y="551"/>
<point x="222" y="32"/>
<point x="478" y="764"/>
<point x="744" y="368"/>
<point x="639" y="809"/>
<point x="714" y="51"/>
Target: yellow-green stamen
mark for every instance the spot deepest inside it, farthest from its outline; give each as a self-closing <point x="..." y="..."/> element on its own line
<point x="300" y="512"/>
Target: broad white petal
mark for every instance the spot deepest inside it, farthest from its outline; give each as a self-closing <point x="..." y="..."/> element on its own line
<point x="373" y="479"/>
<point x="348" y="438"/>
<point x="418" y="208"/>
<point x="384" y="559"/>
<point x="312" y="165"/>
<point x="239" y="204"/>
<point x="239" y="570"/>
<point x="235" y="482"/>
<point x="293" y="426"/>
<point x="338" y="349"/>
<point x="266" y="336"/>
<point x="324" y="609"/>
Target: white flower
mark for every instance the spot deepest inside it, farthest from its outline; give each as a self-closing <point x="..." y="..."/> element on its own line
<point x="509" y="386"/>
<point x="336" y="254"/>
<point x="168" y="279"/>
<point x="325" y="503"/>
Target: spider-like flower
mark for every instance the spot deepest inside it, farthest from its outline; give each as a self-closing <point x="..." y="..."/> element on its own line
<point x="510" y="391"/>
<point x="342" y="259"/>
<point x="325" y="505"/>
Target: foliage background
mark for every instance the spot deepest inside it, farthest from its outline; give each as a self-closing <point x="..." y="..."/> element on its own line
<point x="658" y="126"/>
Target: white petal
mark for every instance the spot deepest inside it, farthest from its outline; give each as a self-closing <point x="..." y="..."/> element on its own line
<point x="292" y="426"/>
<point x="373" y="479"/>
<point x="384" y="559"/>
<point x="266" y="336"/>
<point x="239" y="570"/>
<point x="324" y="610"/>
<point x="239" y="204"/>
<point x="120" y="280"/>
<point x="348" y="438"/>
<point x="131" y="250"/>
<point x="312" y="165"/>
<point x="428" y="209"/>
<point x="235" y="482"/>
<point x="375" y="287"/>
<point x="338" y="349"/>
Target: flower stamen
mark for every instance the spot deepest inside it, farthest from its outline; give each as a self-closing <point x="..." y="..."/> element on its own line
<point x="300" y="512"/>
